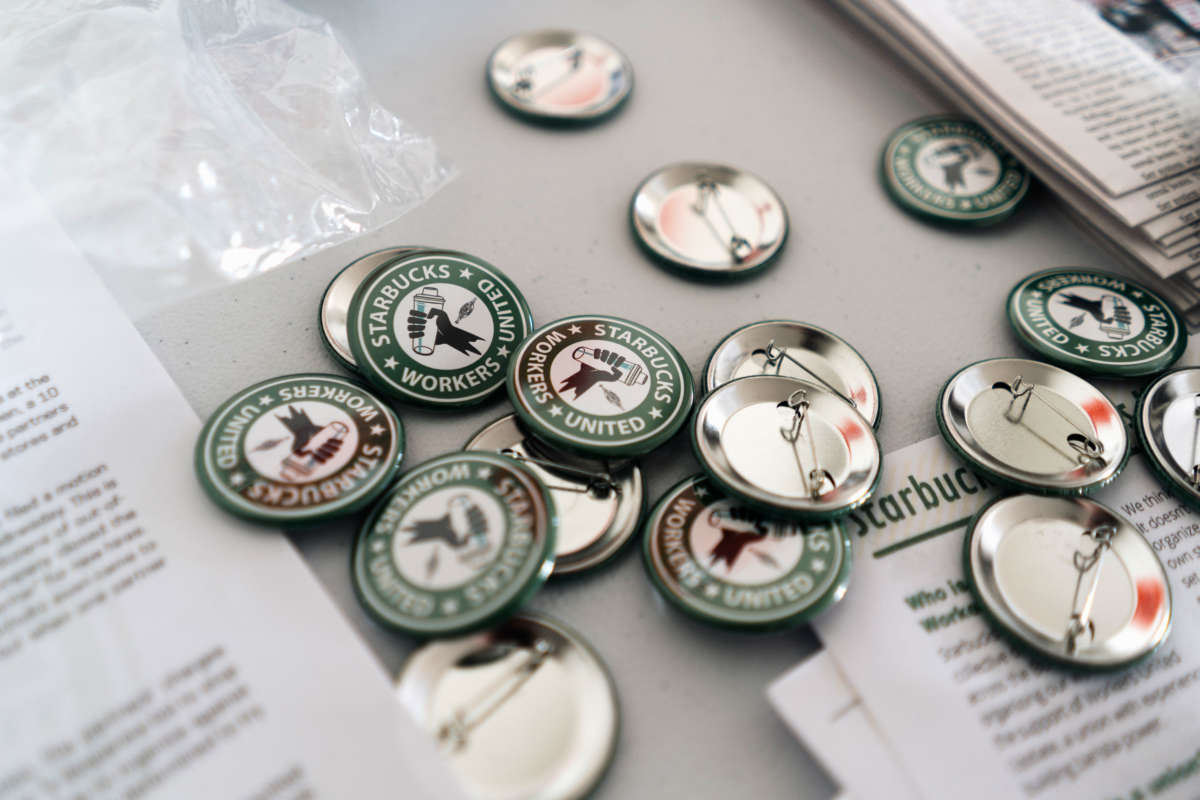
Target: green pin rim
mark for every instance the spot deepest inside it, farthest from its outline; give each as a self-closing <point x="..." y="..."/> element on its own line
<point x="353" y="449"/>
<point x="909" y="177"/>
<point x="711" y="600"/>
<point x="454" y="363"/>
<point x="452" y="509"/>
<point x="640" y="403"/>
<point x="1121" y="328"/>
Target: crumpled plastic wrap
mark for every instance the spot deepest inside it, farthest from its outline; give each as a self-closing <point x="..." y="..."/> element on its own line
<point x="184" y="144"/>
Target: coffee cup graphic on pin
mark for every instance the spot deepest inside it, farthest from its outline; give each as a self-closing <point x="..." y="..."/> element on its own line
<point x="426" y="301"/>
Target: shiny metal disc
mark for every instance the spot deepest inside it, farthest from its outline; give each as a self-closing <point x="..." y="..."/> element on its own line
<point x="1168" y="422"/>
<point x="709" y="218"/>
<point x="1070" y="579"/>
<point x="1033" y="425"/>
<point x="598" y="504"/>
<point x="796" y="350"/>
<point x="560" y="75"/>
<point x="526" y="711"/>
<point x="335" y="303"/>
<point x="787" y="447"/>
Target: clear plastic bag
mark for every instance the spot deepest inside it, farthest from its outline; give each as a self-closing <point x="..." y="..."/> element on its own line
<point x="183" y="144"/>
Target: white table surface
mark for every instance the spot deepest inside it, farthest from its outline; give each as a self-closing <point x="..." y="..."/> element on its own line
<point x="786" y="88"/>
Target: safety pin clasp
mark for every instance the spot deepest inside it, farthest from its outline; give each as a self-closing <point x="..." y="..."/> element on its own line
<point x="1085" y="596"/>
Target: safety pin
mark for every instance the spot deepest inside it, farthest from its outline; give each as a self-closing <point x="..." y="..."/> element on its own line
<point x="706" y="190"/>
<point x="470" y="715"/>
<point x="775" y="355"/>
<point x="815" y="478"/>
<point x="572" y="56"/>
<point x="599" y="482"/>
<point x="1081" y="619"/>
<point x="1196" y="444"/>
<point x="1087" y="451"/>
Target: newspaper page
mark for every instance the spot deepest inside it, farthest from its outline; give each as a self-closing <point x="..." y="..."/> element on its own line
<point x="151" y="646"/>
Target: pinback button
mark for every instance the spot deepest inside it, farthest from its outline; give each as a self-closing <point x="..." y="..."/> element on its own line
<point x="726" y="564"/>
<point x="709" y="220"/>
<point x="599" y="385"/>
<point x="1168" y="424"/>
<point x="436" y="328"/>
<point x="787" y="447"/>
<point x="797" y="350"/>
<point x="299" y="449"/>
<point x="1096" y="322"/>
<point x="335" y="303"/>
<point x="948" y="169"/>
<point x="560" y="76"/>
<point x="598" y="505"/>
<point x="459" y="543"/>
<point x="1068" y="579"/>
<point x="525" y="711"/>
<point x="1033" y="426"/>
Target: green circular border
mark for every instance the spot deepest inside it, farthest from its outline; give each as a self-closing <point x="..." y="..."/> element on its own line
<point x="212" y="486"/>
<point x="1150" y="366"/>
<point x="555" y="120"/>
<point x="836" y="591"/>
<point x="699" y="274"/>
<point x="500" y="610"/>
<point x="1019" y="644"/>
<point x="687" y="395"/>
<point x="875" y="378"/>
<point x="372" y="375"/>
<point x="1164" y="475"/>
<point x="1010" y="483"/>
<point x="906" y="201"/>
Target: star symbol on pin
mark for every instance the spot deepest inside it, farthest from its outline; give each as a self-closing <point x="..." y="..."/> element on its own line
<point x="464" y="273"/>
<point x="711" y="589"/>
<point x="1083" y="348"/>
<point x="700" y="491"/>
<point x="503" y="351"/>
<point x="265" y="400"/>
<point x="237" y="479"/>
<point x="389" y="363"/>
<point x="1035" y="293"/>
<point x="484" y="472"/>
<point x="377" y="430"/>
<point x="1136" y="293"/>
<point x="378" y="546"/>
<point x="449" y="606"/>
<point x="574" y="329"/>
<point x="818" y="565"/>
<point x="555" y="411"/>
<point x="654" y="412"/>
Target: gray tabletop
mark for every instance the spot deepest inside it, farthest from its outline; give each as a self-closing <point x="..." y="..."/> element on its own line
<point x="787" y="89"/>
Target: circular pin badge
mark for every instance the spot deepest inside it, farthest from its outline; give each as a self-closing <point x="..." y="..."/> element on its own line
<point x="524" y="711"/>
<point x="948" y="169"/>
<point x="724" y="563"/>
<point x="1069" y="580"/>
<point x="459" y="543"/>
<point x="436" y="328"/>
<point x="600" y="385"/>
<point x="335" y="303"/>
<point x="1096" y="322"/>
<point x="598" y="505"/>
<point x="560" y="76"/>
<point x="709" y="220"/>
<point x="787" y="447"/>
<point x="1033" y="426"/>
<point x="1168" y="424"/>
<point x="796" y="350"/>
<point x="298" y="449"/>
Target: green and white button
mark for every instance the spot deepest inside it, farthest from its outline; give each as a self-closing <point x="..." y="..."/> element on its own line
<point x="726" y="564"/>
<point x="437" y="328"/>
<point x="298" y="449"/>
<point x="460" y="543"/>
<point x="948" y="169"/>
<point x="1096" y="322"/>
<point x="600" y="385"/>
